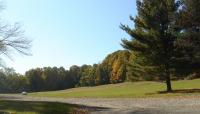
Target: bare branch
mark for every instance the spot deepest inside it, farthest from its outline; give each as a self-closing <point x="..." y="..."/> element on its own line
<point x="12" y="38"/>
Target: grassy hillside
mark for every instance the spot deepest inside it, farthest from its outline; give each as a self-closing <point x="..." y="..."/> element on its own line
<point x="135" y="89"/>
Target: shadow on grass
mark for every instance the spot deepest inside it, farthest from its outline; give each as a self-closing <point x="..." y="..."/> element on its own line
<point x="44" y="107"/>
<point x="181" y="91"/>
<point x="35" y="107"/>
<point x="177" y="91"/>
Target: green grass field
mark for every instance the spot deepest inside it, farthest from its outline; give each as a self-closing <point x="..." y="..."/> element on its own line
<point x="123" y="90"/>
<point x="22" y="107"/>
<point x="128" y="89"/>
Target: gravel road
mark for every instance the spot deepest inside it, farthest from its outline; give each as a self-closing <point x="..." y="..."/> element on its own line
<point x="175" y="105"/>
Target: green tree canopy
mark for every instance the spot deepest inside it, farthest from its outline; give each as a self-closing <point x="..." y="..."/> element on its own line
<point x="154" y="35"/>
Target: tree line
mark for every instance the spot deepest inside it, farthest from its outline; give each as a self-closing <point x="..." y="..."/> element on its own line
<point x="113" y="69"/>
<point x="117" y="67"/>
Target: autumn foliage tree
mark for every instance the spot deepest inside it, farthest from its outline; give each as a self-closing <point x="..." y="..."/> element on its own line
<point x="114" y="67"/>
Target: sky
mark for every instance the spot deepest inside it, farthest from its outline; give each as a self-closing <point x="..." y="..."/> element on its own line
<point x="68" y="32"/>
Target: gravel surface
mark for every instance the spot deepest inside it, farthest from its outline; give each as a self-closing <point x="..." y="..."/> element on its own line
<point x="175" y="105"/>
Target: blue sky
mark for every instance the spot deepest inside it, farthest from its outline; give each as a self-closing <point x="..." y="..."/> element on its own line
<point x="68" y="32"/>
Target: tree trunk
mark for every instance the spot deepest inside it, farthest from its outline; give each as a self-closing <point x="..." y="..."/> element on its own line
<point x="168" y="80"/>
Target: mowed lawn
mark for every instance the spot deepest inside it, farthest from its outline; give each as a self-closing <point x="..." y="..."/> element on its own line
<point x="128" y="90"/>
<point x="25" y="107"/>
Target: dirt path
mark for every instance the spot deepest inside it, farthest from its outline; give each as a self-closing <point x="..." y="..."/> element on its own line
<point x="178" y="105"/>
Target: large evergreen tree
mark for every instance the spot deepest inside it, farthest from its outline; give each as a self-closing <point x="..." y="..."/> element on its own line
<point x="188" y="45"/>
<point x="154" y="35"/>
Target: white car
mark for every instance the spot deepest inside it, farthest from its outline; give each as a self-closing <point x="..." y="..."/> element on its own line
<point x="24" y="93"/>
